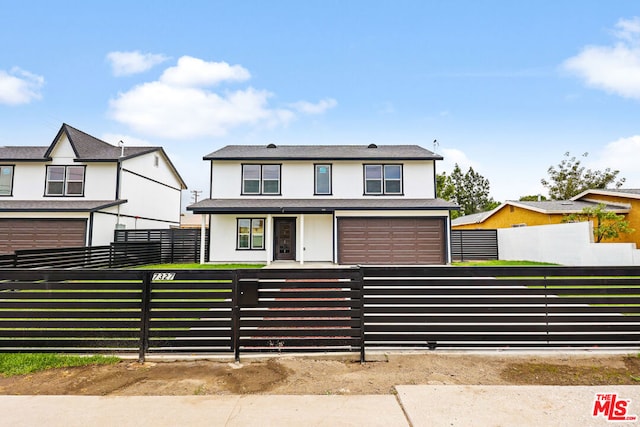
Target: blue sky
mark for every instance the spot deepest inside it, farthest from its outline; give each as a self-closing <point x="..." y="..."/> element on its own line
<point x="504" y="86"/>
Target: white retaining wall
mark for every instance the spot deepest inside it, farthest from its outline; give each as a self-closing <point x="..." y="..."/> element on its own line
<point x="566" y="244"/>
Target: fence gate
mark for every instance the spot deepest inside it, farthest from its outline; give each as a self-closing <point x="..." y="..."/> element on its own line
<point x="299" y="310"/>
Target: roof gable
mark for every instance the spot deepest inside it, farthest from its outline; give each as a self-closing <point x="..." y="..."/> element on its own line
<point x="631" y="193"/>
<point x="89" y="148"/>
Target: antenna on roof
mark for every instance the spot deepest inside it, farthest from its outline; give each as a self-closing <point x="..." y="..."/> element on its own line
<point x="436" y="144"/>
<point x="121" y="145"/>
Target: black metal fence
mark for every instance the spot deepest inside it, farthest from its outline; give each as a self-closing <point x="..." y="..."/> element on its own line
<point x="474" y="245"/>
<point x="115" y="255"/>
<point x="176" y="244"/>
<point x="308" y="310"/>
<point x="502" y="307"/>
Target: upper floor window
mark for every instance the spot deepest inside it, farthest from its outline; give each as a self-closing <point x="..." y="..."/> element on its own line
<point x="6" y="180"/>
<point x="260" y="179"/>
<point x="65" y="181"/>
<point x="382" y="179"/>
<point x="322" y="179"/>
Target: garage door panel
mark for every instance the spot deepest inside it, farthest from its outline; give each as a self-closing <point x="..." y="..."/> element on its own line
<point x="34" y="233"/>
<point x="391" y="241"/>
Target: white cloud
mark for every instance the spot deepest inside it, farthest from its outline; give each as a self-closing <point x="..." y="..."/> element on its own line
<point x="19" y="86"/>
<point x="127" y="63"/>
<point x="194" y="72"/>
<point x="317" y="108"/>
<point x="616" y="68"/>
<point x="180" y="103"/>
<point x="453" y="156"/>
<point x="621" y="155"/>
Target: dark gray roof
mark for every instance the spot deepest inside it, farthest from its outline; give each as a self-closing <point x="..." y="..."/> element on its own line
<point x="90" y="148"/>
<point x="316" y="205"/>
<point x="86" y="147"/>
<point x="70" y="205"/>
<point x="322" y="152"/>
<point x="22" y="153"/>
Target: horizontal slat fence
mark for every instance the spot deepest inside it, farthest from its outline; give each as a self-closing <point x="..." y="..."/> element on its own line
<point x="190" y="311"/>
<point x="299" y="310"/>
<point x="176" y="244"/>
<point x="501" y="307"/>
<point x="116" y="255"/>
<point x="8" y="261"/>
<point x="318" y="310"/>
<point x="70" y="311"/>
<point x="474" y="245"/>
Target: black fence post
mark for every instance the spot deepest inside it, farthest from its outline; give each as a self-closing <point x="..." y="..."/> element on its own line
<point x="145" y="316"/>
<point x="360" y="285"/>
<point x="235" y="317"/>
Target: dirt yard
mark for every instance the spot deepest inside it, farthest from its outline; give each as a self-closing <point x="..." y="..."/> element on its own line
<point x="307" y="375"/>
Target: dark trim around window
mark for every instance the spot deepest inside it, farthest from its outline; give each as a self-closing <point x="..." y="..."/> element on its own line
<point x="65" y="181"/>
<point x="261" y="180"/>
<point x="251" y="234"/>
<point x="3" y="169"/>
<point x="383" y="180"/>
<point x="315" y="179"/>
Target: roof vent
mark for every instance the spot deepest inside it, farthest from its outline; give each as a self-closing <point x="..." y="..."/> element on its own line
<point x="272" y="145"/>
<point x="372" y="146"/>
<point x="566" y="203"/>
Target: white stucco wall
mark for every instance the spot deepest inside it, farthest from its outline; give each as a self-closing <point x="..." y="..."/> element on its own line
<point x="297" y="179"/>
<point x="317" y="244"/>
<point x="318" y="240"/>
<point x="566" y="244"/>
<point x="28" y="181"/>
<point x="104" y="224"/>
<point x="145" y="165"/>
<point x="149" y="199"/>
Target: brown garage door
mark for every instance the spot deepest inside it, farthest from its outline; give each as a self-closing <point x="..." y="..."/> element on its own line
<point x="391" y="241"/>
<point x="41" y="233"/>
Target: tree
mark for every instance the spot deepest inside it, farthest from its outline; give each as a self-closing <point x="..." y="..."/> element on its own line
<point x="607" y="224"/>
<point x="570" y="178"/>
<point x="533" y="198"/>
<point x="469" y="190"/>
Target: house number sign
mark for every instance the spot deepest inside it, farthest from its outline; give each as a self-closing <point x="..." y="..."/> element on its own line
<point x="163" y="276"/>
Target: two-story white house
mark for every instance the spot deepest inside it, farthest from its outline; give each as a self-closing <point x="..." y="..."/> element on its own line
<point x="343" y="204"/>
<point x="79" y="189"/>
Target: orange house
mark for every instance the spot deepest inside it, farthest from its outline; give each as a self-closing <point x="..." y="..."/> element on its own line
<point x="524" y="213"/>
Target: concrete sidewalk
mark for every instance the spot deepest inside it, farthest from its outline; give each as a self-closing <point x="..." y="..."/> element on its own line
<point x="412" y="406"/>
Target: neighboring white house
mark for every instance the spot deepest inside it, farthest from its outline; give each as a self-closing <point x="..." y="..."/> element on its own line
<point x="79" y="189"/>
<point x="341" y="204"/>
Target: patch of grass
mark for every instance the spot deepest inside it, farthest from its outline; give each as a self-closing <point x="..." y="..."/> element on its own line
<point x="25" y="363"/>
<point x="196" y="266"/>
<point x="494" y="263"/>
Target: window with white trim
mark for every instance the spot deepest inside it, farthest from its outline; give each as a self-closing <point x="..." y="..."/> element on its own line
<point x="65" y="181"/>
<point x="261" y="179"/>
<point x="382" y="179"/>
<point x="250" y="233"/>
